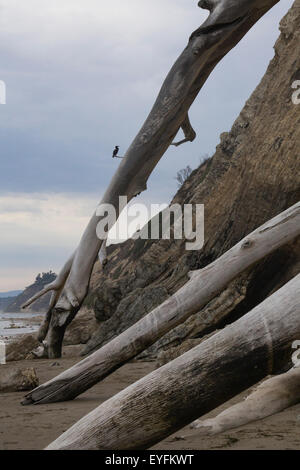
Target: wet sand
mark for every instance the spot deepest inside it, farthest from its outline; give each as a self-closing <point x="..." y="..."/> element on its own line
<point x="34" y="427"/>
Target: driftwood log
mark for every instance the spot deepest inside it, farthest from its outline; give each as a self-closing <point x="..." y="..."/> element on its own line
<point x="204" y="285"/>
<point x="227" y="24"/>
<point x="197" y="382"/>
<point x="272" y="396"/>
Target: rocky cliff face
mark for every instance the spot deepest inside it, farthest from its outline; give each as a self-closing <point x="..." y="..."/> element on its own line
<point x="254" y="175"/>
<point x="41" y="304"/>
<point x="5" y="301"/>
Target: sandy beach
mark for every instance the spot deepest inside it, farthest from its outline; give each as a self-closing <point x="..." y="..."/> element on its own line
<point x="34" y="427"/>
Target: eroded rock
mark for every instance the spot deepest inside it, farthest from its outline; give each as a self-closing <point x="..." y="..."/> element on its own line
<point x="20" y="348"/>
<point x="16" y="380"/>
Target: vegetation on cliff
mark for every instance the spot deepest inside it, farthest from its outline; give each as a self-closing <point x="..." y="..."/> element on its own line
<point x="40" y="305"/>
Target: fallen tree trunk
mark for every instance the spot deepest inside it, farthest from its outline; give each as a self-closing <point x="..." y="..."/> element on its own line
<point x="272" y="396"/>
<point x="195" y="383"/>
<point x="228" y="22"/>
<point x="204" y="285"/>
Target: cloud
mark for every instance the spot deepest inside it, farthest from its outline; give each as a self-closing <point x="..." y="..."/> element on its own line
<point x="16" y="276"/>
<point x="44" y="220"/>
<point x="40" y="231"/>
<point x="81" y="77"/>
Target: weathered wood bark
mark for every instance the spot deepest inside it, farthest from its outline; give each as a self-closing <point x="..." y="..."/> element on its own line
<point x="195" y="383"/>
<point x="189" y="133"/>
<point x="228" y="22"/>
<point x="204" y="285"/>
<point x="272" y="396"/>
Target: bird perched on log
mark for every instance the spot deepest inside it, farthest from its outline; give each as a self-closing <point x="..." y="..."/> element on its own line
<point x="115" y="152"/>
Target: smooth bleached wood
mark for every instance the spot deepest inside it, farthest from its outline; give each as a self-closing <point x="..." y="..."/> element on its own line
<point x="227" y="24"/>
<point x="272" y="396"/>
<point x="197" y="382"/>
<point x="203" y="286"/>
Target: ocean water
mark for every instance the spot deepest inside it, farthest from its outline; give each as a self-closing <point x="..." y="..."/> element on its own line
<point x="14" y="324"/>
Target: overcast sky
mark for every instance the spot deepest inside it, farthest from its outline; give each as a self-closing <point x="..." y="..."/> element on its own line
<point x="81" y="77"/>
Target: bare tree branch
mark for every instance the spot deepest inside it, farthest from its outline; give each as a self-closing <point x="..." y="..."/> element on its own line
<point x="189" y="133"/>
<point x="228" y="22"/>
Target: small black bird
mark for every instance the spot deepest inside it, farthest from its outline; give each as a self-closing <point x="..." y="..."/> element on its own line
<point x="115" y="152"/>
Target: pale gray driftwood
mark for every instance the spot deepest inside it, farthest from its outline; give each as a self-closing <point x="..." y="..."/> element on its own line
<point x="204" y="285"/>
<point x="228" y="22"/>
<point x="197" y="382"/>
<point x="272" y="396"/>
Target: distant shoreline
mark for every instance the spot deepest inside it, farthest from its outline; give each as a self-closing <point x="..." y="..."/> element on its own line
<point x="14" y="324"/>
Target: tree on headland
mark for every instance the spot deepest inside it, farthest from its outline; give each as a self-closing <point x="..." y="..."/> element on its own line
<point x="45" y="277"/>
<point x="183" y="175"/>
